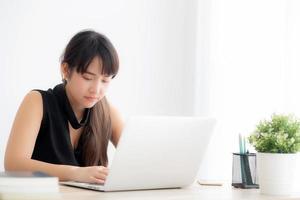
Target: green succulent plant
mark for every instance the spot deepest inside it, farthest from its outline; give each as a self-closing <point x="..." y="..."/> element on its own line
<point x="281" y="134"/>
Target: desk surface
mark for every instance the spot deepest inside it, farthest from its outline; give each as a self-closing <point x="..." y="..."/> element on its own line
<point x="194" y="192"/>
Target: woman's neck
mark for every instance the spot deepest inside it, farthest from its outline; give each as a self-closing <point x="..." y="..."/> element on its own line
<point x="78" y="111"/>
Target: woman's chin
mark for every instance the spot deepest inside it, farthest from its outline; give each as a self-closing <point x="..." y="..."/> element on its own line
<point x="90" y="105"/>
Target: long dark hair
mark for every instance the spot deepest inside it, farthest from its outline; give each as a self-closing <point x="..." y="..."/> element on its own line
<point x="79" y="53"/>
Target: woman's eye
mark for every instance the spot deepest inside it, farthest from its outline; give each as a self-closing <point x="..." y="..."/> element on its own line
<point x="87" y="78"/>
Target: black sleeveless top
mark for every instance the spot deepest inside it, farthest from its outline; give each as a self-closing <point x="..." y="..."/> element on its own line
<point x="53" y="143"/>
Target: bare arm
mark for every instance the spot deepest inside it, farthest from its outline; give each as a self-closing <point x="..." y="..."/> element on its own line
<point x="117" y="125"/>
<point x="22" y="140"/>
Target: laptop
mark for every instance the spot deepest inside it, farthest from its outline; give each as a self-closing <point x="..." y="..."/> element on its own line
<point x="156" y="152"/>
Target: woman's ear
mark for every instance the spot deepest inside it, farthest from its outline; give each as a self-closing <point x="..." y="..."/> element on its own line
<point x="64" y="69"/>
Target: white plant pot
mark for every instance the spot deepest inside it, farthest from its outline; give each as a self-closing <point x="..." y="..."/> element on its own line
<point x="276" y="173"/>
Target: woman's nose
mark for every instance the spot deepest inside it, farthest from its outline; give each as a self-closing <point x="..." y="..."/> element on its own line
<point x="96" y="88"/>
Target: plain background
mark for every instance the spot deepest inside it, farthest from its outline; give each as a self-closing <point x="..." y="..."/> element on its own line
<point x="235" y="60"/>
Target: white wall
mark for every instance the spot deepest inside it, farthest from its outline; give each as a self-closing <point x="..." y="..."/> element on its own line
<point x="155" y="40"/>
<point x="248" y="69"/>
<point x="246" y="64"/>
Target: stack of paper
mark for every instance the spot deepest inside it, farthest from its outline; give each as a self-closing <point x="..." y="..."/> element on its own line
<point x="28" y="185"/>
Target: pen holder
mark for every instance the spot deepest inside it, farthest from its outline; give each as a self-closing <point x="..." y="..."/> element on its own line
<point x="244" y="170"/>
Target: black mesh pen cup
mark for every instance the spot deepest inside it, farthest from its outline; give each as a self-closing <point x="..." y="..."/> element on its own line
<point x="244" y="170"/>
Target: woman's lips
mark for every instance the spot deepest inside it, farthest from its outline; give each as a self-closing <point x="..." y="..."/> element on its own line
<point x="92" y="98"/>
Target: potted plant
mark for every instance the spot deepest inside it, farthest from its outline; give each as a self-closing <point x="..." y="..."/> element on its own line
<point x="277" y="142"/>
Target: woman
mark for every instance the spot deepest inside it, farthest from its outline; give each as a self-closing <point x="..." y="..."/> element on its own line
<point x="65" y="131"/>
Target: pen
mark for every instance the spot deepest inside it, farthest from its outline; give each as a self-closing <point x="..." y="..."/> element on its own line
<point x="241" y="144"/>
<point x="244" y="145"/>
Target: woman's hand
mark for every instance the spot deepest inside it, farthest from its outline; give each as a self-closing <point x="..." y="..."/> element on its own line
<point x="92" y="174"/>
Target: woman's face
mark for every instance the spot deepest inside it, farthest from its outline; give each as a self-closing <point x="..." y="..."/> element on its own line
<point x="85" y="90"/>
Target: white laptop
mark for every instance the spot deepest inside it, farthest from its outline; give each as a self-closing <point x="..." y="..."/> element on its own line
<point x="156" y="152"/>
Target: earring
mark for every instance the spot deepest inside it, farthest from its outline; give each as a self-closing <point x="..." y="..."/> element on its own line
<point x="64" y="81"/>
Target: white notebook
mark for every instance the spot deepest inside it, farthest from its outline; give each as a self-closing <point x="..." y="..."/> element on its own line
<point x="27" y="182"/>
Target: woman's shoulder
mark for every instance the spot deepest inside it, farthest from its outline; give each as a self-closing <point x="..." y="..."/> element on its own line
<point x="41" y="98"/>
<point x="33" y="96"/>
<point x="32" y="104"/>
<point x="117" y="124"/>
<point x="33" y="99"/>
<point x="42" y="93"/>
<point x="46" y="96"/>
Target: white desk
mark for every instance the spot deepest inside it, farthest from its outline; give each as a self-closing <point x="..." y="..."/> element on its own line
<point x="194" y="192"/>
